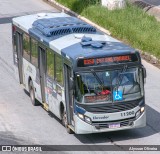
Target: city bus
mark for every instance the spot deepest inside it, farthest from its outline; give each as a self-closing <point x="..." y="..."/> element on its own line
<point x="92" y="82"/>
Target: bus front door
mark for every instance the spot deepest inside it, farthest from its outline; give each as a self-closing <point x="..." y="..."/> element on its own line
<point x="69" y="94"/>
<point x="42" y="71"/>
<point x="19" y="55"/>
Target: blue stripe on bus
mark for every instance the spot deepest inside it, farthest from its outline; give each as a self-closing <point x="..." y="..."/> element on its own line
<point x="78" y="109"/>
<point x="77" y="50"/>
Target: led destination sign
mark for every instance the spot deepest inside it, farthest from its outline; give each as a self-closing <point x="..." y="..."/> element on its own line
<point x="113" y="59"/>
<point x="107" y="60"/>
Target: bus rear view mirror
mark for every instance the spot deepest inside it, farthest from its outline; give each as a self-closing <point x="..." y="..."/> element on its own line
<point x="144" y="72"/>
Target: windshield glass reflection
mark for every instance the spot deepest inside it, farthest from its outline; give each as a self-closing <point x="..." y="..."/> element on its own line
<point x="108" y="86"/>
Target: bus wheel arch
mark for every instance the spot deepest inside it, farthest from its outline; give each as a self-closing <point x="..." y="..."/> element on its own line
<point x="62" y="113"/>
<point x="32" y="92"/>
<point x="29" y="80"/>
<point x="64" y="118"/>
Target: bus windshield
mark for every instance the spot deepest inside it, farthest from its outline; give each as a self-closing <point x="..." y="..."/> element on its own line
<point x="109" y="86"/>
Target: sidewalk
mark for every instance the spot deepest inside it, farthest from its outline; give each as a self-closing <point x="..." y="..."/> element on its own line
<point x="152" y="7"/>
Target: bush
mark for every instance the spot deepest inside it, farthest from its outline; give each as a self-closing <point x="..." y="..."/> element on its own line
<point x="131" y="24"/>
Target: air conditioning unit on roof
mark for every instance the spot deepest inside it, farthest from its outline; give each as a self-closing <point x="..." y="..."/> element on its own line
<point x="114" y="4"/>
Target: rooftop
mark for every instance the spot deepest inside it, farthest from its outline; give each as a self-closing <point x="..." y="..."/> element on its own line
<point x="70" y="36"/>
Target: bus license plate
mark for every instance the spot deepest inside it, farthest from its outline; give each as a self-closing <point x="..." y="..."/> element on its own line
<point x="114" y="125"/>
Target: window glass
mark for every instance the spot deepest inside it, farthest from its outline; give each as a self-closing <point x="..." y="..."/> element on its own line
<point x="108" y="86"/>
<point x="34" y="52"/>
<point x="50" y="63"/>
<point x="59" y="70"/>
<point x="14" y="48"/>
<point x="14" y="43"/>
<point x="14" y="39"/>
<point x="59" y="90"/>
<point x="26" y="47"/>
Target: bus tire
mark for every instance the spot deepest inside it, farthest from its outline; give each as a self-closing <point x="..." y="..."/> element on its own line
<point x="64" y="123"/>
<point x="32" y="93"/>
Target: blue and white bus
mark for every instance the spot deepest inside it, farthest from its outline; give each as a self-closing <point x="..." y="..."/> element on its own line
<point x="91" y="81"/>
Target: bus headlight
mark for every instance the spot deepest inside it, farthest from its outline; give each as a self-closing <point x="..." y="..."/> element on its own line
<point x="87" y="119"/>
<point x="139" y="112"/>
<point x="142" y="109"/>
<point x="84" y="118"/>
<point x="81" y="116"/>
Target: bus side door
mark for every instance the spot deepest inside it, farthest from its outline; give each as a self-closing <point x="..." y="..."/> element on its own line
<point x="19" y="55"/>
<point x="42" y="71"/>
<point x="68" y="94"/>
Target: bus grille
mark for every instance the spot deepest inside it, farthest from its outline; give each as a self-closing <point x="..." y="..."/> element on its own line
<point x="105" y="124"/>
<point x="110" y="107"/>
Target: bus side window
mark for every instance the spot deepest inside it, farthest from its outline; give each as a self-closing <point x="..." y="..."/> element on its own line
<point x="34" y="52"/>
<point x="50" y="63"/>
<point x="14" y="43"/>
<point x="15" y="47"/>
<point x="26" y="47"/>
<point x="59" y="69"/>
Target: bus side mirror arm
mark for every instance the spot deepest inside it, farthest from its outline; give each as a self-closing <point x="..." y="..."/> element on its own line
<point x="144" y="72"/>
<point x="71" y="84"/>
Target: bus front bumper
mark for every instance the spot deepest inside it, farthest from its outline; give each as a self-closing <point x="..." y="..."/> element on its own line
<point x="81" y="127"/>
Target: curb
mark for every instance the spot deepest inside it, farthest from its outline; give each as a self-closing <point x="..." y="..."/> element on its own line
<point x="146" y="56"/>
<point x="150" y="58"/>
<point x="148" y="8"/>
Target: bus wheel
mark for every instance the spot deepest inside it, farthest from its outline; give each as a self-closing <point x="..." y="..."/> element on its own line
<point x="64" y="123"/>
<point x="32" y="94"/>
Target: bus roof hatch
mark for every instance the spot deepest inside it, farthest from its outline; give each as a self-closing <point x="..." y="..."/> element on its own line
<point x="62" y="26"/>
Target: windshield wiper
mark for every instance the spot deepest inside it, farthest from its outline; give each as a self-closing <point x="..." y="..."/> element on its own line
<point x="119" y="78"/>
<point x="98" y="79"/>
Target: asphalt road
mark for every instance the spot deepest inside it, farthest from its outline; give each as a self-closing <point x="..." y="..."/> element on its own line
<point x="21" y="123"/>
<point x="153" y="2"/>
